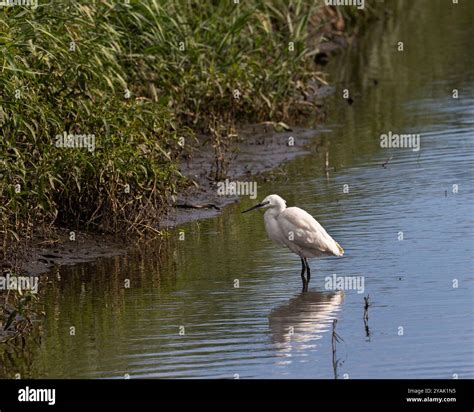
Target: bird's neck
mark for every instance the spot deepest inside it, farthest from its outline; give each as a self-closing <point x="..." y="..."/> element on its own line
<point x="275" y="211"/>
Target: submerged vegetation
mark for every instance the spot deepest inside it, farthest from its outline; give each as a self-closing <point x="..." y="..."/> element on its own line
<point x="127" y="85"/>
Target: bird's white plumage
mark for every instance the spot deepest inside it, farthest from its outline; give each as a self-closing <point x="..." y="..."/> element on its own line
<point x="298" y="230"/>
<point x="305" y="235"/>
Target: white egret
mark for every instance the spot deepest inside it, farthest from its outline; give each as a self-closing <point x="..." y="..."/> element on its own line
<point x="298" y="231"/>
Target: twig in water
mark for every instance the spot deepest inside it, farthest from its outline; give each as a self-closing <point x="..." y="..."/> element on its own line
<point x="384" y="165"/>
<point x="335" y="339"/>
<point x="367" y="304"/>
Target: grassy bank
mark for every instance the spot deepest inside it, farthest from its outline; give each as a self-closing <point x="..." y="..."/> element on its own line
<point x="139" y="81"/>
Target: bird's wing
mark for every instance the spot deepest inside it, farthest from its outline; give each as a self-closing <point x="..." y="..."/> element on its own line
<point x="304" y="230"/>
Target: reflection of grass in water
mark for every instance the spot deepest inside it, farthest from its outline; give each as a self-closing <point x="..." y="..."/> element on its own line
<point x="95" y="300"/>
<point x="17" y="357"/>
<point x="17" y="311"/>
<point x="19" y="330"/>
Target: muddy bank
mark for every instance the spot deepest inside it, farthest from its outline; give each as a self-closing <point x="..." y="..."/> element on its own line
<point x="259" y="151"/>
<point x="60" y="250"/>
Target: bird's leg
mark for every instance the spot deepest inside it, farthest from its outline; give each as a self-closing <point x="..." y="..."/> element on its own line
<point x="303" y="269"/>
<point x="308" y="273"/>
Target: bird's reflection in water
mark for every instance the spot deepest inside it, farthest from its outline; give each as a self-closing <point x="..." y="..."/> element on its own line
<point x="296" y="325"/>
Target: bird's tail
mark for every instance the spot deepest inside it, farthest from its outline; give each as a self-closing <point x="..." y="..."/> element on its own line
<point x="340" y="249"/>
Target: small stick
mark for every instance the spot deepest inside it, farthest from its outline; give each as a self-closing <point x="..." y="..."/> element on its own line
<point x="366" y="307"/>
<point x="367" y="304"/>
<point x="384" y="165"/>
<point x="335" y="339"/>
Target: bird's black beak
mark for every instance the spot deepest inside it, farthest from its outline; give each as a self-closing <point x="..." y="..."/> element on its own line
<point x="256" y="207"/>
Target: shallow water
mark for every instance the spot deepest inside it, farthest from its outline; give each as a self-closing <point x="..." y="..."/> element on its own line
<point x="266" y="328"/>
